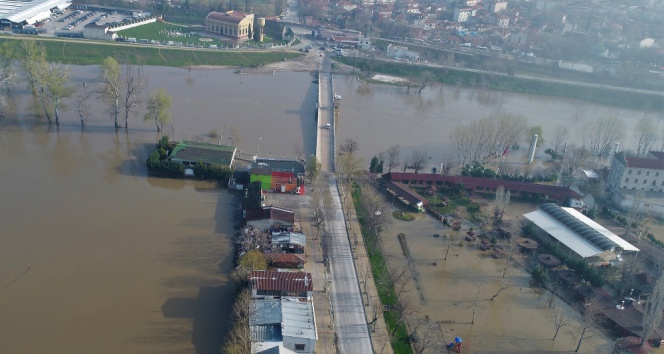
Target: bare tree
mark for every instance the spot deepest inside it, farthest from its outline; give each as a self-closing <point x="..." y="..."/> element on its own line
<point x="591" y="317"/>
<point x="349" y="163"/>
<point x="400" y="279"/>
<point x="349" y="146"/>
<point x="559" y="318"/>
<point x="238" y="340"/>
<point x="652" y="312"/>
<point x="501" y="202"/>
<point x="505" y="283"/>
<point x="234" y="136"/>
<point x="297" y="150"/>
<point x="601" y="134"/>
<point x="475" y="301"/>
<point x="313" y="168"/>
<point x="426" y="335"/>
<point x="450" y="240"/>
<point x="82" y="97"/>
<point x="418" y="160"/>
<point x="392" y="154"/>
<point x="427" y="78"/>
<point x="111" y="87"/>
<point x="560" y="135"/>
<point x="133" y="82"/>
<point x="645" y="136"/>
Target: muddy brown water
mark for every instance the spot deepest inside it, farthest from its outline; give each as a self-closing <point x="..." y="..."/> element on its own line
<point x="516" y="322"/>
<point x="97" y="257"/>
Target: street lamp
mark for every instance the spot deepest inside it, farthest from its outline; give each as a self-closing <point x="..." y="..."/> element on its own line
<point x="258" y="149"/>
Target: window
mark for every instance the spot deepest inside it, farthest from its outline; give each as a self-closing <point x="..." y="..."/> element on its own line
<point x="636" y="180"/>
<point x="647" y="173"/>
<point x="626" y="180"/>
<point x="299" y="346"/>
<point x="645" y="181"/>
<point x="638" y="173"/>
<point x="656" y="174"/>
<point x="654" y="183"/>
<point x="629" y="172"/>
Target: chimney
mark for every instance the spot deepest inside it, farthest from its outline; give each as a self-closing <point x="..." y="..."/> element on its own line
<point x="622" y="306"/>
<point x="306" y="281"/>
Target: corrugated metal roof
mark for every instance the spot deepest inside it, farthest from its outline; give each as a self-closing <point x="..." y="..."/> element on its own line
<point x="298" y="319"/>
<point x="585" y="237"/>
<point x="294" y="238"/>
<point x="561" y="233"/>
<point x="19" y="11"/>
<point x="264" y="312"/>
<point x="602" y="230"/>
<point x="270" y="348"/>
<point x="268" y="333"/>
<point x="280" y="281"/>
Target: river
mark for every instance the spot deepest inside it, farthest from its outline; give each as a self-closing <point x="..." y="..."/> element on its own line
<point x="95" y="256"/>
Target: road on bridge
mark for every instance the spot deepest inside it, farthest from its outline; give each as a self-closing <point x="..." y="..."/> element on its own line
<point x="350" y="322"/>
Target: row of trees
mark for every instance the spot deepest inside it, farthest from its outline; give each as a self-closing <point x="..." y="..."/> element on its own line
<point x="121" y="88"/>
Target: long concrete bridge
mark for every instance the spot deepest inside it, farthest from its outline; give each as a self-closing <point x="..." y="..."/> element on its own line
<point x="325" y="144"/>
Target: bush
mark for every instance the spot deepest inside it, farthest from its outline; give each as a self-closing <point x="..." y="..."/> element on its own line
<point x="540" y="276"/>
<point x="158" y="164"/>
<point x="203" y="171"/>
<point x="554" y="154"/>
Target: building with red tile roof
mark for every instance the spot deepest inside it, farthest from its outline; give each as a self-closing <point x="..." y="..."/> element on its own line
<point x="543" y="192"/>
<point x="269" y="283"/>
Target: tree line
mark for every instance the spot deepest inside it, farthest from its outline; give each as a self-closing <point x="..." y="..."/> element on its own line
<point x="120" y="87"/>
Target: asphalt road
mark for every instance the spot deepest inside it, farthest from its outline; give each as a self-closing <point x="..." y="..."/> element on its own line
<point x="350" y="323"/>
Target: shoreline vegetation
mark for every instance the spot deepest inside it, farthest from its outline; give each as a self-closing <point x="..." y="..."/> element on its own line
<point x="419" y="74"/>
<point x="92" y="53"/>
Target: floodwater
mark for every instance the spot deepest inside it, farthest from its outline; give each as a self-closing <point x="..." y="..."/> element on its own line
<point x="97" y="257"/>
<point x="378" y="116"/>
<point x="515" y="322"/>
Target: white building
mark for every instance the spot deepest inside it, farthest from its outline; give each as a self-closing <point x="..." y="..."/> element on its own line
<point x="399" y="52"/>
<point x="633" y="179"/>
<point x="462" y="14"/>
<point x="577" y="233"/>
<point x="286" y="324"/>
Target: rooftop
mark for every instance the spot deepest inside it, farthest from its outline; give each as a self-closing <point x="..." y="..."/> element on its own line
<point x="228" y="16"/>
<point x="280" y="281"/>
<point x="294" y="238"/>
<point x="293" y="318"/>
<point x="278" y="165"/>
<point x="579" y="233"/>
<point x="271" y="212"/>
<point x="190" y="151"/>
<point x="31" y="11"/>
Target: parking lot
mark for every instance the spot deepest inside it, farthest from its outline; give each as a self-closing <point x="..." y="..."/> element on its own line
<point x="70" y="23"/>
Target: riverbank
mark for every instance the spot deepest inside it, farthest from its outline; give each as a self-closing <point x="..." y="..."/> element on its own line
<point x="501" y="82"/>
<point x="82" y="52"/>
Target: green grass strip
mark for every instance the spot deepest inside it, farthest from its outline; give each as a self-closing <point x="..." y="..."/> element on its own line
<point x="82" y="52"/>
<point x="401" y="341"/>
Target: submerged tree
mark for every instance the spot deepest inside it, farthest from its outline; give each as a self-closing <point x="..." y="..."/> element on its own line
<point x="54" y="79"/>
<point x="133" y="82"/>
<point x="158" y="106"/>
<point x="111" y="87"/>
<point x="82" y="97"/>
<point x="31" y="56"/>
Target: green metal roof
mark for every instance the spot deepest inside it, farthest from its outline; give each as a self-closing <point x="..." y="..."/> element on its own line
<point x="191" y="151"/>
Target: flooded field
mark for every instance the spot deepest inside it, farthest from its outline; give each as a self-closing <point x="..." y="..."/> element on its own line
<point x="515" y="322"/>
<point x="97" y="257"/>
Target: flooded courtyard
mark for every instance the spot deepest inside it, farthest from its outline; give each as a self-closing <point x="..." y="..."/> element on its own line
<point x="97" y="256"/>
<point x="516" y="321"/>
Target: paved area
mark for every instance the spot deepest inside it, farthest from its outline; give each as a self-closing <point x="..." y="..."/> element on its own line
<point x="348" y="311"/>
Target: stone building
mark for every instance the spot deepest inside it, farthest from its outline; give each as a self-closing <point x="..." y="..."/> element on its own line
<point x="232" y="24"/>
